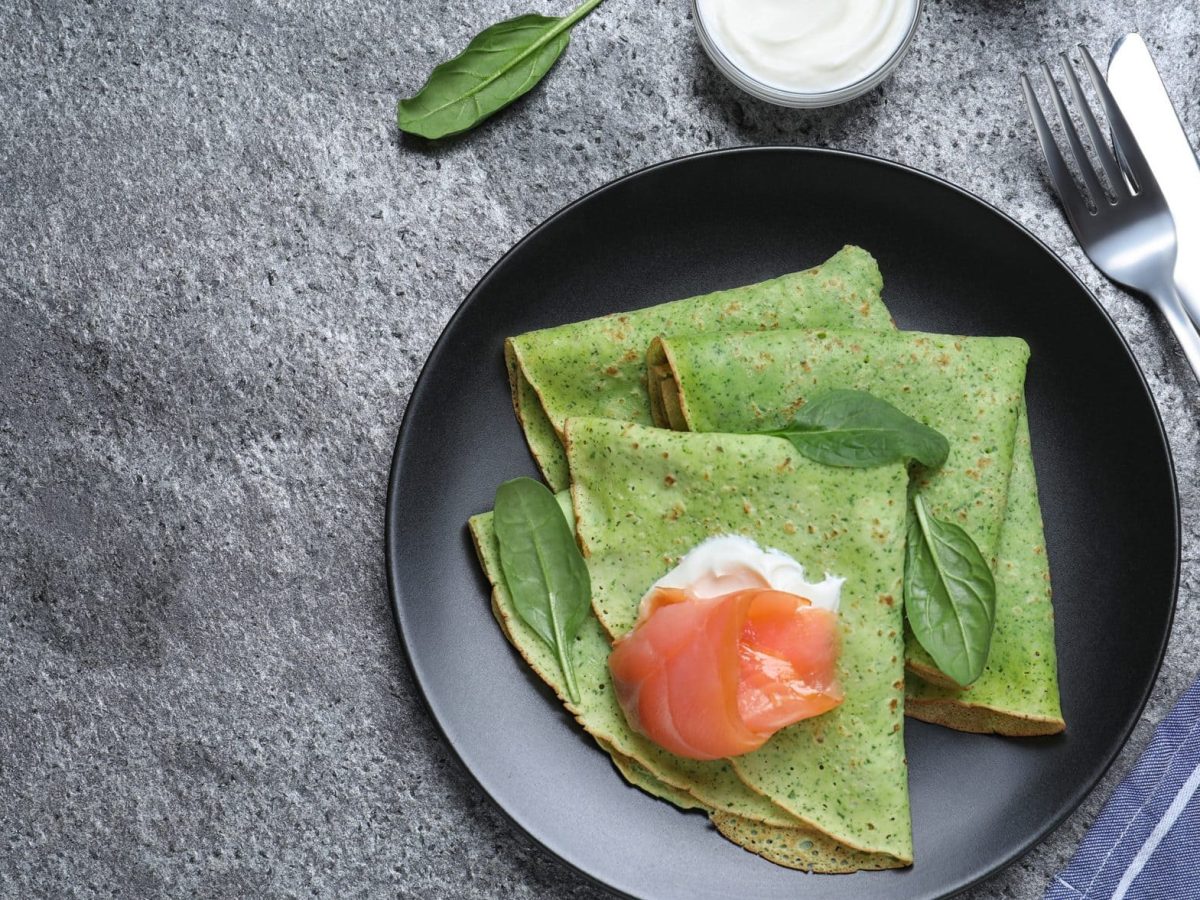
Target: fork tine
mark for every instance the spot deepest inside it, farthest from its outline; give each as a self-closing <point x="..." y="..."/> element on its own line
<point x="1060" y="175"/>
<point x="1123" y="138"/>
<point x="1081" y="157"/>
<point x="1099" y="144"/>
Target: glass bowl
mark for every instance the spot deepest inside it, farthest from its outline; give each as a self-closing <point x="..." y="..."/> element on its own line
<point x="801" y="99"/>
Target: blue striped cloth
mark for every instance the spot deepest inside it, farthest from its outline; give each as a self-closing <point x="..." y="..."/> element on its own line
<point x="1146" y="843"/>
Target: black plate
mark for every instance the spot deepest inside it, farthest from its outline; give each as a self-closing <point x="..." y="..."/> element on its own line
<point x="951" y="263"/>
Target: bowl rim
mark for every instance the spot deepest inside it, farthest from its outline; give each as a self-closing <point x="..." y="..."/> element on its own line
<point x="801" y="99"/>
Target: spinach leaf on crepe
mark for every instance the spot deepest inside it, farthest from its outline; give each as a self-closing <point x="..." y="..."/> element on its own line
<point x="949" y="595"/>
<point x="856" y="429"/>
<point x="543" y="568"/>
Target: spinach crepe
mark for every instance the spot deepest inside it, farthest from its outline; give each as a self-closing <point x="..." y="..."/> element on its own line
<point x="596" y="367"/>
<point x="742" y="814"/>
<point x="1018" y="691"/>
<point x="643" y="497"/>
<point x="968" y="388"/>
<point x="1017" y="694"/>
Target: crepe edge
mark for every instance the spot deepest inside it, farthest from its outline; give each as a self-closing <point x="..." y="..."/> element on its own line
<point x="668" y="406"/>
<point x="936" y="677"/>
<point x="541" y="437"/>
<point x="772" y="843"/>
<point x="981" y="719"/>
<point x="645" y="780"/>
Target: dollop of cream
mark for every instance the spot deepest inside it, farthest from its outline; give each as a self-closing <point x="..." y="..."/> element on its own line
<point x="729" y="562"/>
<point x="808" y="46"/>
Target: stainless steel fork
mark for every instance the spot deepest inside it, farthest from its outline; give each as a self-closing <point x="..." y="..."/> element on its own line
<point x="1130" y="238"/>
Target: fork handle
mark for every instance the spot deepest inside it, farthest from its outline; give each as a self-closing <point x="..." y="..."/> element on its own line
<point x="1191" y="303"/>
<point x="1171" y="303"/>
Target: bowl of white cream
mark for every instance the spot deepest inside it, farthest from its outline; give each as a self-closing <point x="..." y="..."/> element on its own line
<point x="806" y="53"/>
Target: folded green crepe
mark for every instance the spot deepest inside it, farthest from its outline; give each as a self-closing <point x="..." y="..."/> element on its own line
<point x="1017" y="694"/>
<point x="968" y="388"/>
<point x="643" y="497"/>
<point x="712" y="786"/>
<point x="596" y="367"/>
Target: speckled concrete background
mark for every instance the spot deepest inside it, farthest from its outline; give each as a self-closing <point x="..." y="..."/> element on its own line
<point x="220" y="272"/>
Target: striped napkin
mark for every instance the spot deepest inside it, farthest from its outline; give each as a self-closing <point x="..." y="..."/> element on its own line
<point x="1146" y="843"/>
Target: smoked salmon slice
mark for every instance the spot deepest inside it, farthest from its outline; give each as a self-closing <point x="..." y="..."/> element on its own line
<point x="716" y="677"/>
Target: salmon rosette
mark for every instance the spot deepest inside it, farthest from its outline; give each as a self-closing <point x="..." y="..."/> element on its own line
<point x="708" y="677"/>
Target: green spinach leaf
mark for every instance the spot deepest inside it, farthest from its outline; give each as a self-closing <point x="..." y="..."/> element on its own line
<point x="499" y="65"/>
<point x="858" y="430"/>
<point x="949" y="595"/>
<point x="543" y="568"/>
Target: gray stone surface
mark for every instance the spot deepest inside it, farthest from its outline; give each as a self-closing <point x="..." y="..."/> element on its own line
<point x="220" y="272"/>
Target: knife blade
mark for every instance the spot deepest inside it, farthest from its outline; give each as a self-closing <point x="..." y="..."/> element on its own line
<point x="1135" y="82"/>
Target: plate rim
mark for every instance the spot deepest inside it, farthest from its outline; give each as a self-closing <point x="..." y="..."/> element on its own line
<point x="392" y="500"/>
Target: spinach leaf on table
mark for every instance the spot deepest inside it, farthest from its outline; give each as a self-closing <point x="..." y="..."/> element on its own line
<point x="500" y="64"/>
